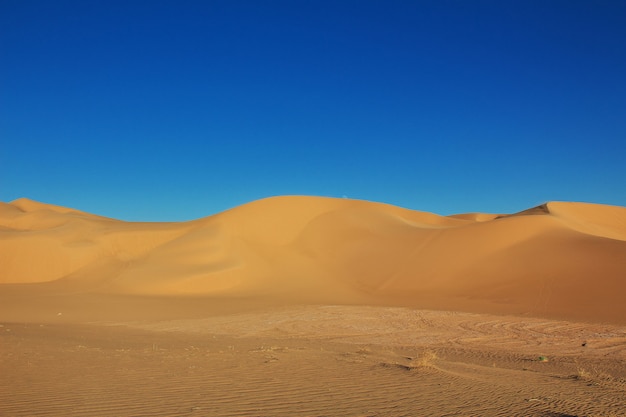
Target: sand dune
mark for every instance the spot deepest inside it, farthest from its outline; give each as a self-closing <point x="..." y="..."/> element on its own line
<point x="560" y="260"/>
<point x="305" y="306"/>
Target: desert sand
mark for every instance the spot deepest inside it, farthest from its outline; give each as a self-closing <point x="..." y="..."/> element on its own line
<point x="310" y="306"/>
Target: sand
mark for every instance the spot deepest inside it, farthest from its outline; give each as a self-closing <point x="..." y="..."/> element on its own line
<point x="308" y="306"/>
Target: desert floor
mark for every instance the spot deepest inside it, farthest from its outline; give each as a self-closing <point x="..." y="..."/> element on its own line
<point x="238" y="358"/>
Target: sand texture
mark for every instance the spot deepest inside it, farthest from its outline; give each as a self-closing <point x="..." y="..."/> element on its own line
<point x="309" y="306"/>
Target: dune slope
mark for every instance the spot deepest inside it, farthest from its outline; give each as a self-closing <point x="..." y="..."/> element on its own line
<point x="564" y="260"/>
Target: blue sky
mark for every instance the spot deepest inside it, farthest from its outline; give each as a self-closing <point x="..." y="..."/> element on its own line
<point x="174" y="110"/>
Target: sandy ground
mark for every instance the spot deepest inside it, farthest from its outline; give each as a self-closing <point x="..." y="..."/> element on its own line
<point x="305" y="306"/>
<point x="323" y="360"/>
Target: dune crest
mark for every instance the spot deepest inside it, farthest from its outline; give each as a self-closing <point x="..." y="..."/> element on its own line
<point x="565" y="260"/>
<point x="28" y="205"/>
<point x="594" y="219"/>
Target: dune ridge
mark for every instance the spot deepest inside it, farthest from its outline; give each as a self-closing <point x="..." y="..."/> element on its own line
<point x="561" y="259"/>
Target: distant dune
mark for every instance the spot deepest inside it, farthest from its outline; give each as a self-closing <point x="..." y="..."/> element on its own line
<point x="563" y="260"/>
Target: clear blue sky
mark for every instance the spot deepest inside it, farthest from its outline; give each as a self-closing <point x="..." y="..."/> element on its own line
<point x="174" y="110"/>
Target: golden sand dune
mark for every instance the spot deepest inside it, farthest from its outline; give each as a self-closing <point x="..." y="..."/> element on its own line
<point x="305" y="306"/>
<point x="561" y="260"/>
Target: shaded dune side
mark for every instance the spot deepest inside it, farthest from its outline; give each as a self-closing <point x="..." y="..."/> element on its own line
<point x="559" y="260"/>
<point x="521" y="264"/>
<point x="534" y="211"/>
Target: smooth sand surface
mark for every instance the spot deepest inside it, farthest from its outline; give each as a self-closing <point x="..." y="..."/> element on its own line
<point x="314" y="306"/>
